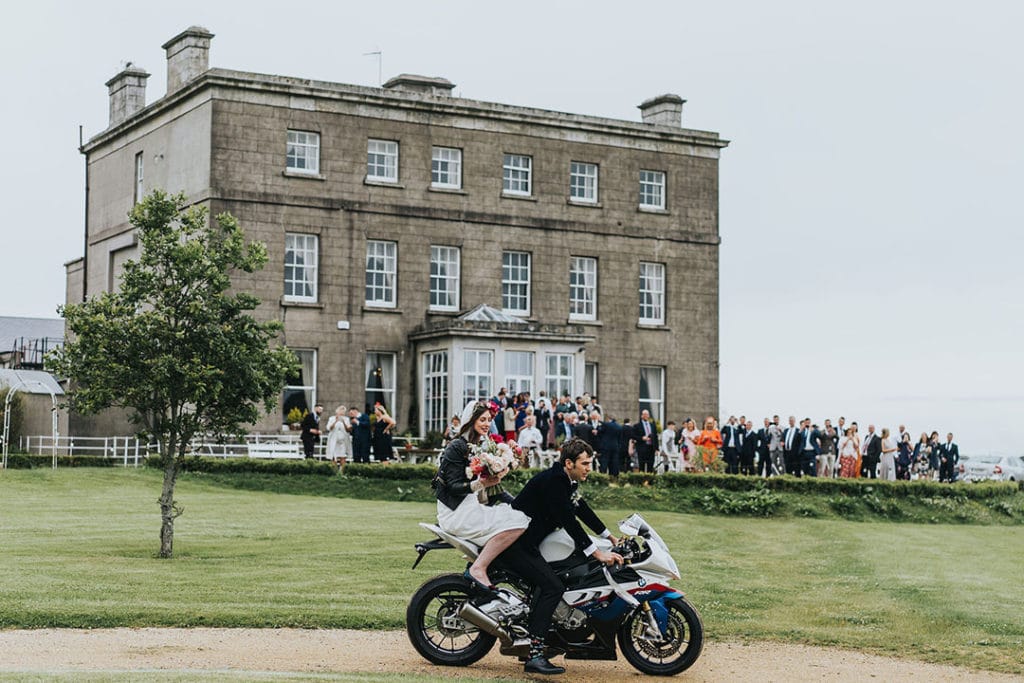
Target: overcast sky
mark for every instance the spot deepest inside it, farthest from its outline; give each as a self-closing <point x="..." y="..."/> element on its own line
<point x="870" y="213"/>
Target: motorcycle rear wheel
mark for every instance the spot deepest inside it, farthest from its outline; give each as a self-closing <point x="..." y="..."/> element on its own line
<point x="684" y="640"/>
<point x="436" y="630"/>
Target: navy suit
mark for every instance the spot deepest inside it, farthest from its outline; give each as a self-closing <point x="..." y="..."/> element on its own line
<point x="645" y="449"/>
<point x="732" y="442"/>
<point x="791" y="449"/>
<point x="309" y="423"/>
<point x="750" y="448"/>
<point x="949" y="456"/>
<point x="361" y="438"/>
<point x="764" y="464"/>
<point x="608" y="439"/>
<point x="810" y="448"/>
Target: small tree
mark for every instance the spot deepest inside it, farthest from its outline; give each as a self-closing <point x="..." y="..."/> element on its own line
<point x="173" y="345"/>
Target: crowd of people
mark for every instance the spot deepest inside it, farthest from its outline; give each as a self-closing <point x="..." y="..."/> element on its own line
<point x="802" y="448"/>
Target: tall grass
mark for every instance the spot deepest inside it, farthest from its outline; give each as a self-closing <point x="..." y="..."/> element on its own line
<point x="77" y="548"/>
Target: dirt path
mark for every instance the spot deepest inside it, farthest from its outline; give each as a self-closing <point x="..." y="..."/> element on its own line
<point x="324" y="652"/>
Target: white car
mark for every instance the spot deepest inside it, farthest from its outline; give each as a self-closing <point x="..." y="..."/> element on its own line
<point x="992" y="467"/>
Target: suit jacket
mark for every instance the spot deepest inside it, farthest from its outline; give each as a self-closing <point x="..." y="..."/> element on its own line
<point x="734" y="433"/>
<point x="949" y="451"/>
<point x="549" y="500"/>
<point x="751" y="445"/>
<point x="872" y="446"/>
<point x="763" y="439"/>
<point x="795" y="446"/>
<point x="814" y="437"/>
<point x="361" y="434"/>
<point x="309" y="423"/>
<point x="608" y="437"/>
<point x="642" y="447"/>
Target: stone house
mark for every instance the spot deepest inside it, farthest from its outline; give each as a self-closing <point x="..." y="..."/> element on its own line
<point x="428" y="249"/>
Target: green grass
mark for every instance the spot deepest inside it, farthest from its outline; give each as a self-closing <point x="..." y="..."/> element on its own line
<point x="77" y="549"/>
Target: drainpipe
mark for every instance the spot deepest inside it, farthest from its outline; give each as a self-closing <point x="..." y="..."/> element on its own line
<point x="85" y="249"/>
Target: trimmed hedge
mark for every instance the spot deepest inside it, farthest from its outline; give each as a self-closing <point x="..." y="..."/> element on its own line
<point x="729" y="482"/>
<point x="251" y="466"/>
<point x="23" y="461"/>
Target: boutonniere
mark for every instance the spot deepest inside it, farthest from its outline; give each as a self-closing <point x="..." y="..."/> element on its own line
<point x="575" y="498"/>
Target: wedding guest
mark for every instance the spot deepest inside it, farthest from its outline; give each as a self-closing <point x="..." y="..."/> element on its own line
<point x="827" y="457"/>
<point x="949" y="456"/>
<point x="922" y="456"/>
<point x="688" y="447"/>
<point x="383" y="447"/>
<point x="339" y="441"/>
<point x="848" y="455"/>
<point x="531" y="440"/>
<point x="871" y="452"/>
<point x="749" y="448"/>
<point x="708" y="442"/>
<point x="904" y="457"/>
<point x="887" y="469"/>
<point x="934" y="458"/>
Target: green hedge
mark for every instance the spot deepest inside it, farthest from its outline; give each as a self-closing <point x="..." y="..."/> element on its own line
<point x="727" y="482"/>
<point x="251" y="465"/>
<point x="23" y="461"/>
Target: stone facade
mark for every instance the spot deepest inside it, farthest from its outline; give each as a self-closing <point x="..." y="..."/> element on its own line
<point x="222" y="137"/>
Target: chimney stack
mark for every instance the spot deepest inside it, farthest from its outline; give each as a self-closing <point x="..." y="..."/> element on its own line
<point x="127" y="93"/>
<point x="663" y="110"/>
<point x="420" y="84"/>
<point x="188" y="56"/>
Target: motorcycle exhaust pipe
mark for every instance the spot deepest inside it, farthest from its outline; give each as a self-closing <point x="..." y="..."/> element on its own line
<point x="475" y="616"/>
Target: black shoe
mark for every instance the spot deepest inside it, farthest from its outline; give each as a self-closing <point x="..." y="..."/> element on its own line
<point x="479" y="589"/>
<point x="539" y="664"/>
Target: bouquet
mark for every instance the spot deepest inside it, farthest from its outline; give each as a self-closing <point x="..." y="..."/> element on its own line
<point x="492" y="457"/>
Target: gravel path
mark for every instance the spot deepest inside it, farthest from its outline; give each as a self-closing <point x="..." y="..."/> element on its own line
<point x="64" y="651"/>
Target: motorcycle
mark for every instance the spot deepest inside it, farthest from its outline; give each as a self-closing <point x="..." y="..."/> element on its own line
<point x="452" y="623"/>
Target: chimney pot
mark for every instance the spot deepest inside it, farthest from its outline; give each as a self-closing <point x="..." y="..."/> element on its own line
<point x="188" y="56"/>
<point x="663" y="110"/>
<point x="426" y="85"/>
<point x="127" y="93"/>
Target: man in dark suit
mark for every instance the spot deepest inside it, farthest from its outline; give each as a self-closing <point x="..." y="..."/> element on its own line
<point x="750" y="447"/>
<point x="552" y="501"/>
<point x="732" y="442"/>
<point x="791" y="446"/>
<point x="360" y="435"/>
<point x="311" y="430"/>
<point x="625" y="441"/>
<point x="949" y="456"/>
<point x="810" y="447"/>
<point x="872" y="450"/>
<point x="764" y="457"/>
<point x="645" y="434"/>
<point x="608" y="440"/>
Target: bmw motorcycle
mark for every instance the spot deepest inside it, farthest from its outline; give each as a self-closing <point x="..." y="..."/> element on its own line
<point x="452" y="623"/>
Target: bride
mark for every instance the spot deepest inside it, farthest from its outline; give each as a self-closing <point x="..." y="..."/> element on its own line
<point x="459" y="511"/>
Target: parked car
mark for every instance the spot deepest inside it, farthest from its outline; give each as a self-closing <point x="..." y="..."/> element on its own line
<point x="994" y="467"/>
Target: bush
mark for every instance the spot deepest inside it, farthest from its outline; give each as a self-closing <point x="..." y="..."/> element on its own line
<point x="24" y="461"/>
<point x="250" y="465"/>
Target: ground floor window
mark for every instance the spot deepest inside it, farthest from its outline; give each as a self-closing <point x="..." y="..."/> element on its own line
<point x="519" y="372"/>
<point x="435" y="391"/>
<point x="380" y="381"/>
<point x="558" y="374"/>
<point x="652" y="392"/>
<point x="300" y="388"/>
<point x="590" y="378"/>
<point x="477" y="375"/>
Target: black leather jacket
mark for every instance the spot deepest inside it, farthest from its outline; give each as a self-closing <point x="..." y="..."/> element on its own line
<point x="453" y="486"/>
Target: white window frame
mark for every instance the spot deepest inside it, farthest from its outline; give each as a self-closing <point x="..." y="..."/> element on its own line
<point x="445" y="277"/>
<point x="302" y="152"/>
<point x="652" y="293"/>
<point x="583" y="288"/>
<point x="583" y="178"/>
<point x="446" y="168"/>
<point x="472" y="374"/>
<point x="652" y="185"/>
<point x="590" y="379"/>
<point x="435" y="391"/>
<point x="519" y="379"/>
<point x="382" y="161"/>
<point x="309" y="387"/>
<point x="140" y="167"/>
<point x="557" y="382"/>
<point x="387" y="391"/>
<point x="381" y="274"/>
<point x="655" y="404"/>
<point x="514" y="287"/>
<point x="517" y="174"/>
<point x="303" y="273"/>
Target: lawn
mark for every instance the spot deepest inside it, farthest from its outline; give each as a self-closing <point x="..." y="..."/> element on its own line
<point x="77" y="548"/>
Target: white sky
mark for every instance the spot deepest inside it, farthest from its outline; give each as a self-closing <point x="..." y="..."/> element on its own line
<point x="870" y="221"/>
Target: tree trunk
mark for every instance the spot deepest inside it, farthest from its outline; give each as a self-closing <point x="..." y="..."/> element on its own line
<point x="167" y="507"/>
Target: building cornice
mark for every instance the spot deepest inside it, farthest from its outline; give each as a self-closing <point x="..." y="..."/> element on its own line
<point x="384" y="103"/>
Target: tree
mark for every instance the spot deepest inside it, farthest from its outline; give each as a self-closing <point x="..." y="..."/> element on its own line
<point x="173" y="345"/>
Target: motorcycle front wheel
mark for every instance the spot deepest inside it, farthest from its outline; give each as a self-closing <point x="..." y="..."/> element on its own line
<point x="435" y="628"/>
<point x="676" y="651"/>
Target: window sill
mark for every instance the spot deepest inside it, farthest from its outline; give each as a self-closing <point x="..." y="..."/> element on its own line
<point x="443" y="312"/>
<point x="446" y="190"/>
<point x="383" y="183"/>
<point x="644" y="209"/>
<point x="299" y="174"/>
<point x="578" y="321"/>
<point x="653" y="326"/>
<point x="522" y="197"/>
<point x="369" y="308"/>
<point x="301" y="304"/>
<point x="586" y="205"/>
